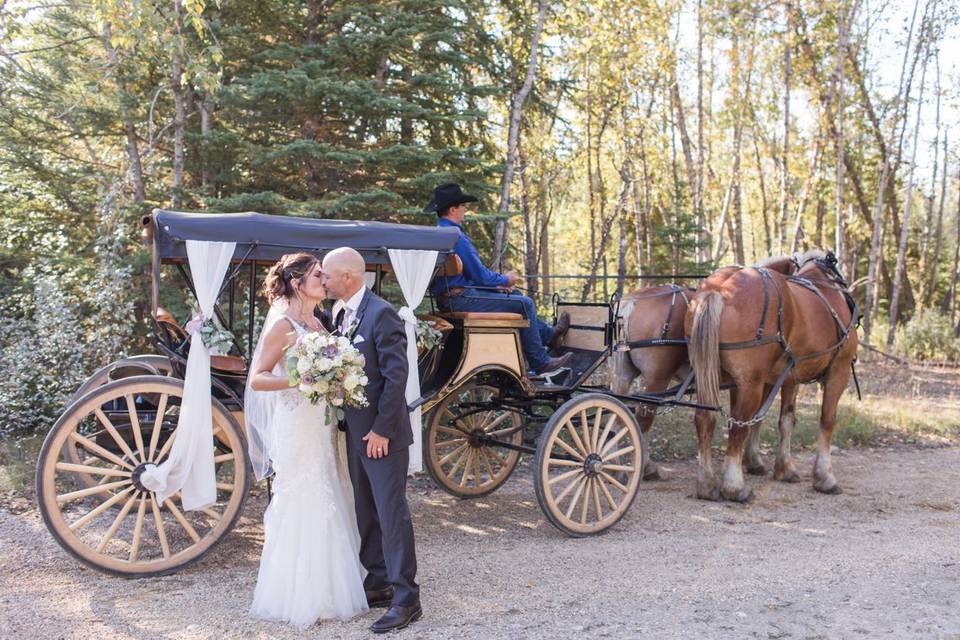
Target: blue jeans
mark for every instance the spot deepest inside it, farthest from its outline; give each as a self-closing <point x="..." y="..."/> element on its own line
<point x="533" y="338"/>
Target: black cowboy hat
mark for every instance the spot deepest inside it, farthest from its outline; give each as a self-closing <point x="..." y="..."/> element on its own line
<point x="448" y="195"/>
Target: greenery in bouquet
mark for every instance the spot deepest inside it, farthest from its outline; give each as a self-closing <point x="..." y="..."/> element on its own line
<point x="428" y="336"/>
<point x="328" y="368"/>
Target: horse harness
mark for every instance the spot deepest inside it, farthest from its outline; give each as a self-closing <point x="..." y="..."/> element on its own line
<point x="792" y="360"/>
<point x="663" y="340"/>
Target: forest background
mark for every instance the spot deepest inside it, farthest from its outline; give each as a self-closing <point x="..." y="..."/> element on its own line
<point x="609" y="139"/>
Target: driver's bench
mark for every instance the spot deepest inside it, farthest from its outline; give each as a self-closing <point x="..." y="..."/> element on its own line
<point x="488" y="340"/>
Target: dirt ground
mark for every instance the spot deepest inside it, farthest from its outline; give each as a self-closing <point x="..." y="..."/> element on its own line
<point x="880" y="560"/>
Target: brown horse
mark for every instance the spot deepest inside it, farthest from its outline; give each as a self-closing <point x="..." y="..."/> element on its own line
<point x="652" y="316"/>
<point x="758" y="330"/>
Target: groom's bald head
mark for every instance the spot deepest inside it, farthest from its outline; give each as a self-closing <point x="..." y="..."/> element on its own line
<point x="343" y="271"/>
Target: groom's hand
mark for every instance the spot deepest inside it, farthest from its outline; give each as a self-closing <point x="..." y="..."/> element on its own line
<point x="377" y="445"/>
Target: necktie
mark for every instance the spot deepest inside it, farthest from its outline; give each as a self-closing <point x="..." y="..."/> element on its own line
<point x="345" y="315"/>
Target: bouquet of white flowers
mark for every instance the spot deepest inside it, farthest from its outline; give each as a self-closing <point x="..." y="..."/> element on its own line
<point x="326" y="367"/>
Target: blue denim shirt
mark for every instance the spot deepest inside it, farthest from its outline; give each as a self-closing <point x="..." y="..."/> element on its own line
<point x="475" y="274"/>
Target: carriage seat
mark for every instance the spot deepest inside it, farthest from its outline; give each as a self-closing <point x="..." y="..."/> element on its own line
<point x="487" y="319"/>
<point x="226" y="364"/>
<point x="484" y="315"/>
<point x="453" y="266"/>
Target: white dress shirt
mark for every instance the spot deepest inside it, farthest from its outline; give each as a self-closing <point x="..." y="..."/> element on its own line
<point x="350" y="309"/>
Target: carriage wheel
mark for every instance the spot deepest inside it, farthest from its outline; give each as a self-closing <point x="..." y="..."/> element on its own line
<point x="588" y="464"/>
<point x="148" y="364"/>
<point x="457" y="456"/>
<point x="118" y="526"/>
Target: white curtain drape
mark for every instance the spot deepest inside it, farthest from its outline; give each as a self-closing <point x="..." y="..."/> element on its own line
<point x="190" y="467"/>
<point x="414" y="269"/>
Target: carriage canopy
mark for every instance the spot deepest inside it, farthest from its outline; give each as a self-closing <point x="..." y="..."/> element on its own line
<point x="266" y="237"/>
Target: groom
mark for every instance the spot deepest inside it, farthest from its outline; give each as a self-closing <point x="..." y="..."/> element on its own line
<point x="377" y="441"/>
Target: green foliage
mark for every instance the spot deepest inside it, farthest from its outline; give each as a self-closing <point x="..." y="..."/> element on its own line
<point x="928" y="338"/>
<point x="49" y="351"/>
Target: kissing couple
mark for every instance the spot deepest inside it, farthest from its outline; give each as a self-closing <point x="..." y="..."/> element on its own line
<point x="338" y="538"/>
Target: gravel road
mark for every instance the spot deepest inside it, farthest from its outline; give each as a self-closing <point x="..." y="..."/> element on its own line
<point x="881" y="560"/>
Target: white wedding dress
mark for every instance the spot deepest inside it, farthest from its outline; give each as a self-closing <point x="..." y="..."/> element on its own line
<point x="310" y="567"/>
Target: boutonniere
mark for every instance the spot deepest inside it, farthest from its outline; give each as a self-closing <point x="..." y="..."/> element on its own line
<point x="352" y="328"/>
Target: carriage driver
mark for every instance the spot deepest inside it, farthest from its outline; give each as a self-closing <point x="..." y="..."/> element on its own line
<point x="483" y="290"/>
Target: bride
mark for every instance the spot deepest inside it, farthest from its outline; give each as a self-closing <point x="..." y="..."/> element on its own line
<point x="310" y="567"/>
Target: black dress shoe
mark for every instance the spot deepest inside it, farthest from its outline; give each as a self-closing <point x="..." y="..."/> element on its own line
<point x="397" y="617"/>
<point x="379" y="597"/>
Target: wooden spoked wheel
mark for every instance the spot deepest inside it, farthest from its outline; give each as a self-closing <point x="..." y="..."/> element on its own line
<point x="117" y="525"/>
<point x="148" y="364"/>
<point x="457" y="447"/>
<point x="588" y="464"/>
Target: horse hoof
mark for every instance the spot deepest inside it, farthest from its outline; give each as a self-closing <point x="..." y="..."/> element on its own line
<point x="744" y="494"/>
<point x="652" y="472"/>
<point x="787" y="476"/>
<point x="830" y="488"/>
<point x="708" y="493"/>
<point x="757" y="469"/>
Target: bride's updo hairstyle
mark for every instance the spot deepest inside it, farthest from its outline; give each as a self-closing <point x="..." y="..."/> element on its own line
<point x="281" y="277"/>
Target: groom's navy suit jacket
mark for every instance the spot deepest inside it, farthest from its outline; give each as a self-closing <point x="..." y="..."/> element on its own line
<point x="379" y="484"/>
<point x="384" y="346"/>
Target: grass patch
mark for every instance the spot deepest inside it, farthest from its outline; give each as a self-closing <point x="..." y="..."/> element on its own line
<point x="876" y="421"/>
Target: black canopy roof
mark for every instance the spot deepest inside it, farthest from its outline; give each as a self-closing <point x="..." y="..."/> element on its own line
<point x="260" y="236"/>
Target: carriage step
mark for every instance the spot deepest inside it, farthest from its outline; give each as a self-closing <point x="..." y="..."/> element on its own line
<point x="546" y="378"/>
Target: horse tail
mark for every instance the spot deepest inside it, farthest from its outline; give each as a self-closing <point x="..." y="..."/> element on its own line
<point x="705" y="347"/>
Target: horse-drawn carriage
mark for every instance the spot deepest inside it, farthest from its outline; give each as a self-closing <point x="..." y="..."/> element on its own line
<point x="481" y="408"/>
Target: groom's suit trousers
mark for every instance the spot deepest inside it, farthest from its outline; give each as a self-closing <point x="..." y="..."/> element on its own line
<point x="383" y="518"/>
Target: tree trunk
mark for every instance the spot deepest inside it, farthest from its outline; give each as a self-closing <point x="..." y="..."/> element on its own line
<point x="530" y="248"/>
<point x="938" y="232"/>
<point x="872" y="296"/>
<point x="905" y="227"/>
<point x="735" y="227"/>
<point x="622" y="255"/>
<point x="647" y="211"/>
<point x="135" y="171"/>
<point x="681" y="124"/>
<point x="925" y="238"/>
<point x="839" y="143"/>
<point x="516" y="110"/>
<point x="698" y="198"/>
<point x="764" y="202"/>
<point x="950" y="302"/>
<point x="813" y="178"/>
<point x="207" y="174"/>
<point x="179" y="121"/>
<point x="784" y="156"/>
